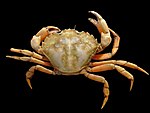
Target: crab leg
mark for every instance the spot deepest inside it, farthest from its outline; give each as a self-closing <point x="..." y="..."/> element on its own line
<point x="102" y="80"/>
<point x="110" y="65"/>
<point x="114" y="49"/>
<point x="102" y="27"/>
<point x="119" y="62"/>
<point x="30" y="72"/>
<point x="40" y="36"/>
<point x="120" y="69"/>
<point x="29" y="53"/>
<point x="30" y="59"/>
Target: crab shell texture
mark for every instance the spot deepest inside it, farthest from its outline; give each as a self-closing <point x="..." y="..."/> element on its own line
<point x="69" y="51"/>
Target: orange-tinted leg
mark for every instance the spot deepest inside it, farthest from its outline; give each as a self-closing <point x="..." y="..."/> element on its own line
<point x="29" y="53"/>
<point x="119" y="62"/>
<point x="102" y="80"/>
<point x="30" y="72"/>
<point x="106" y="67"/>
<point x="30" y="59"/>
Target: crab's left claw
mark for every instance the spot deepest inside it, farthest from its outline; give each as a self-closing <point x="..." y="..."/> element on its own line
<point x="100" y="23"/>
<point x="102" y="27"/>
<point x="41" y="35"/>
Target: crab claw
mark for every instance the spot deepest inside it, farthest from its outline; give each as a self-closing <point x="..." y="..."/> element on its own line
<point x="41" y="35"/>
<point x="100" y="23"/>
<point x="103" y="29"/>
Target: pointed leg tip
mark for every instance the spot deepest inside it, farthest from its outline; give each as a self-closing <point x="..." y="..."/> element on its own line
<point x="130" y="89"/>
<point x="146" y="73"/>
<point x="31" y="87"/>
<point x="102" y="107"/>
<point x="7" y="56"/>
<point x="29" y="83"/>
<point x="142" y="70"/>
<point x="104" y="102"/>
<point x="131" y="85"/>
<point x="11" y="49"/>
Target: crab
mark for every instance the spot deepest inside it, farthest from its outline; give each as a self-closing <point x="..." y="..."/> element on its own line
<point x="70" y="52"/>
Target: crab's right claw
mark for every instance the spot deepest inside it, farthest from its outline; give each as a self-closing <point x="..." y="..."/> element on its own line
<point x="45" y="31"/>
<point x="52" y="29"/>
<point x="41" y="35"/>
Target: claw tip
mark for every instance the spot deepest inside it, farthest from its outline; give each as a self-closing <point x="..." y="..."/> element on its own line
<point x="90" y="11"/>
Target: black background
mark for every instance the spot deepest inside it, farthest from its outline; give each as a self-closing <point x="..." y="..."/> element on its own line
<point x="21" y="20"/>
